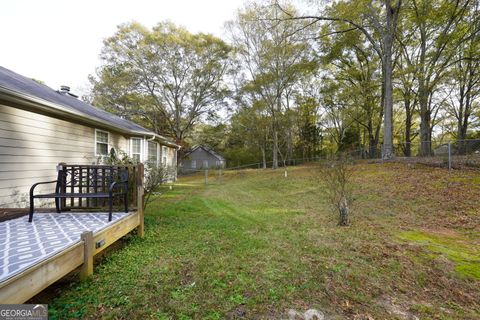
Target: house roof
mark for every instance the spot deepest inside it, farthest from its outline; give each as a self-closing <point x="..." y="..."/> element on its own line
<point x="16" y="86"/>
<point x="207" y="149"/>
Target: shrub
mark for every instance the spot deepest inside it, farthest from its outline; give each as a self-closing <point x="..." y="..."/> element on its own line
<point x="337" y="175"/>
<point x="155" y="176"/>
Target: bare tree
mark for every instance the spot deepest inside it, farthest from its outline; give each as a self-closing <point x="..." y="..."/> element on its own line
<point x="337" y="175"/>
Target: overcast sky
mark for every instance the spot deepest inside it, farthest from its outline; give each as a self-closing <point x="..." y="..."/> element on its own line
<point x="59" y="42"/>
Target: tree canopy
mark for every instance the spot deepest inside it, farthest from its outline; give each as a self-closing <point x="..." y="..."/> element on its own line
<point x="166" y="78"/>
<point x="379" y="78"/>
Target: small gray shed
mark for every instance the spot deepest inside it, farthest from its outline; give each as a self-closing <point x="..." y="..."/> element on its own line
<point x="200" y="158"/>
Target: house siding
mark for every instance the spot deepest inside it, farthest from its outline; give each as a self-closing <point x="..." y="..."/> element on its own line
<point x="171" y="156"/>
<point x="31" y="145"/>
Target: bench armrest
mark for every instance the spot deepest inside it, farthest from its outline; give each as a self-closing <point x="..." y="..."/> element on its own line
<point x="117" y="183"/>
<point x="39" y="183"/>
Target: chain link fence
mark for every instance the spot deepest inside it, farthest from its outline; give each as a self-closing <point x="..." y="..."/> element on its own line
<point x="455" y="154"/>
<point x="449" y="154"/>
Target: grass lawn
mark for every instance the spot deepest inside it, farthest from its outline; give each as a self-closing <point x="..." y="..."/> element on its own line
<point x="259" y="244"/>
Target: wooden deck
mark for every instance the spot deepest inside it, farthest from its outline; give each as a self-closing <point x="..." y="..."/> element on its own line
<point x="35" y="255"/>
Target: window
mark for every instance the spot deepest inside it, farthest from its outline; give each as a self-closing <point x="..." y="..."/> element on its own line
<point x="101" y="143"/>
<point x="152" y="153"/>
<point x="164" y="156"/>
<point x="205" y="164"/>
<point x="136" y="149"/>
<point x="218" y="163"/>
<point x="194" y="164"/>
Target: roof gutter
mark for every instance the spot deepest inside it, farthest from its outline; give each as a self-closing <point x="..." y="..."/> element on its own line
<point x="22" y="99"/>
<point x="162" y="139"/>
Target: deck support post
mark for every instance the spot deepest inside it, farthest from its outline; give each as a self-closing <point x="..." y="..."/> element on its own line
<point x="87" y="266"/>
<point x="140" y="200"/>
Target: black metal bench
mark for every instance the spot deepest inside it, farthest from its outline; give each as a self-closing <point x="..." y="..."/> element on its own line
<point x="97" y="182"/>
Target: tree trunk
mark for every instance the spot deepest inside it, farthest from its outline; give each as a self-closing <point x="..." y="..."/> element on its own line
<point x="425" y="117"/>
<point x="407" y="151"/>
<point x="465" y="107"/>
<point x="461" y="128"/>
<point x="372" y="145"/>
<point x="289" y="144"/>
<point x="275" y="131"/>
<point x="388" y="37"/>
<point x="264" y="158"/>
<point x="388" y="152"/>
<point x="275" y="149"/>
<point x="343" y="218"/>
<point x="408" y="134"/>
<point x="425" y="143"/>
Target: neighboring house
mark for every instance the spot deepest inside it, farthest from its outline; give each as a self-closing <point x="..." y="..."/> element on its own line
<point x="201" y="157"/>
<point x="41" y="127"/>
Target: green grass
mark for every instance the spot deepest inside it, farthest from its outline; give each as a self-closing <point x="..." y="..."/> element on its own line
<point x="466" y="257"/>
<point x="259" y="244"/>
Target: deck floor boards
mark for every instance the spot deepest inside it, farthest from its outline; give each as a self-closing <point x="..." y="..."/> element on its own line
<point x="24" y="244"/>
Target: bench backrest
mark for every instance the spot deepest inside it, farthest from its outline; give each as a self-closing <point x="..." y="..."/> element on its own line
<point x="75" y="178"/>
<point x="90" y="179"/>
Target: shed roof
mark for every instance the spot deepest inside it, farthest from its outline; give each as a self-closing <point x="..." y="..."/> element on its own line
<point x="207" y="149"/>
<point x="33" y="91"/>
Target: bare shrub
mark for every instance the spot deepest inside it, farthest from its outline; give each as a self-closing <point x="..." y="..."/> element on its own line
<point x="155" y="177"/>
<point x="337" y="174"/>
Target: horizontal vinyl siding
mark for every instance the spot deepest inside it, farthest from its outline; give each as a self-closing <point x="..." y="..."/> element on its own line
<point x="120" y="143"/>
<point x="31" y="146"/>
<point x="171" y="157"/>
<point x="36" y="142"/>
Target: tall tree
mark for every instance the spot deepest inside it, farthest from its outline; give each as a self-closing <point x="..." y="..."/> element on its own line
<point x="272" y="61"/>
<point x="308" y="126"/>
<point x="464" y="78"/>
<point x="168" y="76"/>
<point x="377" y="20"/>
<point x="251" y="124"/>
<point x="406" y="86"/>
<point x="351" y="62"/>
<point x="438" y="33"/>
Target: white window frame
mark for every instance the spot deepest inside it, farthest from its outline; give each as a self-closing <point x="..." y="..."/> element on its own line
<point x="141" y="158"/>
<point x="108" y="143"/>
<point x="156" y="151"/>
<point x="164" y="155"/>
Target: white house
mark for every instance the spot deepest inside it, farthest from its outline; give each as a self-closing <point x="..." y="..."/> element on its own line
<point x="41" y="127"/>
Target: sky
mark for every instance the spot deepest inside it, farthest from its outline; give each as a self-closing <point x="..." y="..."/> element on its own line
<point x="59" y="42"/>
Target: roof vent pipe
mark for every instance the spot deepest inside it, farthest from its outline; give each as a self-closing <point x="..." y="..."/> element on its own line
<point x="64" y="89"/>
